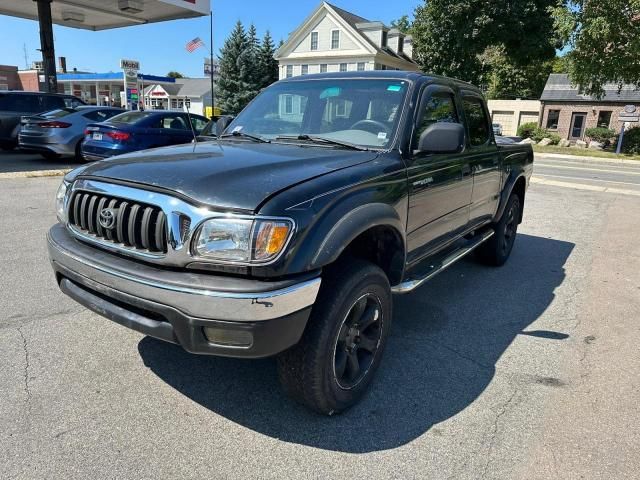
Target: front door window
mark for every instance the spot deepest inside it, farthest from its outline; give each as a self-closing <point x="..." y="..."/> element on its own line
<point x="577" y="125"/>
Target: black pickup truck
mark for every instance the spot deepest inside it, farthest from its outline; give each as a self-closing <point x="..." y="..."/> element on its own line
<point x="291" y="231"/>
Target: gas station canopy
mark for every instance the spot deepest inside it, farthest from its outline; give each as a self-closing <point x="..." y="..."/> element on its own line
<point x="105" y="14"/>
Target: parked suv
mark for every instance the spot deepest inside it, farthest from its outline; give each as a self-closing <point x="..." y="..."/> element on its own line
<point x="289" y="233"/>
<point x="14" y="105"/>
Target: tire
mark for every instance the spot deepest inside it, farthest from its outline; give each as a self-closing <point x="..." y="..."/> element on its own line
<point x="319" y="372"/>
<point x="50" y="155"/>
<point x="78" y="154"/>
<point x="497" y="249"/>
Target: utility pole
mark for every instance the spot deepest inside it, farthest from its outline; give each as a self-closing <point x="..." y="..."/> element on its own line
<point x="26" y="56"/>
<point x="46" y="46"/>
<point x="211" y="60"/>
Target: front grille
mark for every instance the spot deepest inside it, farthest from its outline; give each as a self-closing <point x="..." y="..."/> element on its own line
<point x="138" y="226"/>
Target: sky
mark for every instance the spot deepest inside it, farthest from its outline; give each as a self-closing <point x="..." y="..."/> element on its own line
<point x="160" y="46"/>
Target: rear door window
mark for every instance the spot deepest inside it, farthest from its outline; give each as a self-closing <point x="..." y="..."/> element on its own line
<point x="49" y="102"/>
<point x="477" y="121"/>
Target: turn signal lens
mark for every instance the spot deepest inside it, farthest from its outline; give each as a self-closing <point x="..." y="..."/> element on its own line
<point x="271" y="237"/>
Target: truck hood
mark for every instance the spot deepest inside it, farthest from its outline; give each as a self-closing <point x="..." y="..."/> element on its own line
<point x="236" y="176"/>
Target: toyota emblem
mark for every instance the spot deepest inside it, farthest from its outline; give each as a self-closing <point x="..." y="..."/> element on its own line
<point x="107" y="218"/>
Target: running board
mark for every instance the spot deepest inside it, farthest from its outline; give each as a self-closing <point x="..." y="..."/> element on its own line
<point x="441" y="265"/>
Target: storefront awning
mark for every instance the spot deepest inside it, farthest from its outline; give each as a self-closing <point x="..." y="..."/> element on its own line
<point x="105" y="14"/>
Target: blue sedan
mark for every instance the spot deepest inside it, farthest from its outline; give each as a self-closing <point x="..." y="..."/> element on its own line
<point x="132" y="131"/>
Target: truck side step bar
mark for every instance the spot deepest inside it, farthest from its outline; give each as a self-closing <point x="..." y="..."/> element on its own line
<point x="444" y="263"/>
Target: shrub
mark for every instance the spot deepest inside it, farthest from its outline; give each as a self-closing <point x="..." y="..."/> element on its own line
<point x="631" y="141"/>
<point x="555" y="138"/>
<point x="526" y="129"/>
<point x="599" y="134"/>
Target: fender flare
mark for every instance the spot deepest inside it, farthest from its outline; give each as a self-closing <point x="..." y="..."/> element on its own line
<point x="348" y="227"/>
<point x="507" y="190"/>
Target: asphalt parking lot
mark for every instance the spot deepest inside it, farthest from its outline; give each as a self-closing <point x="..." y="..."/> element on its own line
<point x="16" y="161"/>
<point x="526" y="371"/>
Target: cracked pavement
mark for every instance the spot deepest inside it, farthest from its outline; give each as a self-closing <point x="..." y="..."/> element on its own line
<point x="526" y="371"/>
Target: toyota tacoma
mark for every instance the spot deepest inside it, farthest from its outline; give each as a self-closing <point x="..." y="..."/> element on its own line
<point x="290" y="232"/>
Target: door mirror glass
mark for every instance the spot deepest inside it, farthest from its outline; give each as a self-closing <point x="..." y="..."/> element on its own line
<point x="222" y="124"/>
<point x="442" y="138"/>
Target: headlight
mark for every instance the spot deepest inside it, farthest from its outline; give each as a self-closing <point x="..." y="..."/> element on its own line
<point x="242" y="240"/>
<point x="60" y="196"/>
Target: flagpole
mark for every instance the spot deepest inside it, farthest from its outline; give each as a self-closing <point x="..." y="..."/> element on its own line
<point x="211" y="59"/>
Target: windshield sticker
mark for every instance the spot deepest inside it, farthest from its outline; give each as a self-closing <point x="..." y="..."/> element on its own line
<point x="382" y="136"/>
<point x="237" y="129"/>
<point x="394" y="88"/>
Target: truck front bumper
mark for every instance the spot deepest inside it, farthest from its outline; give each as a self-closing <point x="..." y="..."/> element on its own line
<point x="204" y="313"/>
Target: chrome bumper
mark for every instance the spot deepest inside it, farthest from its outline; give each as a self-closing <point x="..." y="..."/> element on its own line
<point x="196" y="295"/>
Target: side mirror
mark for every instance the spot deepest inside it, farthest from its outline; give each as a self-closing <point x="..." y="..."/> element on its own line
<point x="442" y="138"/>
<point x="222" y="124"/>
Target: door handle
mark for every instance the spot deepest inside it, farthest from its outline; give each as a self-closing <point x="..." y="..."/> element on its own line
<point x="466" y="170"/>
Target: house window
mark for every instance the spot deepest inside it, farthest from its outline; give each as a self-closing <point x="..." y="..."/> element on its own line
<point x="288" y="104"/>
<point x="289" y="71"/>
<point x="385" y="38"/>
<point x="343" y="67"/>
<point x="314" y="40"/>
<point x="400" y="45"/>
<point x="323" y="68"/>
<point x="187" y="102"/>
<point x="604" y="119"/>
<point x="335" y="39"/>
<point x="361" y="66"/>
<point x="305" y="69"/>
<point x="341" y="108"/>
<point x="552" y="119"/>
<point x="174" y="103"/>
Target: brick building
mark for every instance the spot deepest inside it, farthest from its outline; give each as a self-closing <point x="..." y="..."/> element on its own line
<point x="569" y="114"/>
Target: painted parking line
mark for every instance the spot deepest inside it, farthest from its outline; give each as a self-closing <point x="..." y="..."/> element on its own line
<point x="569" y="177"/>
<point x="588" y="169"/>
<point x="584" y="186"/>
<point x="35" y="174"/>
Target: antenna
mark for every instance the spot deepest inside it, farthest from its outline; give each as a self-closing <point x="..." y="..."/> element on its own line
<point x="193" y="132"/>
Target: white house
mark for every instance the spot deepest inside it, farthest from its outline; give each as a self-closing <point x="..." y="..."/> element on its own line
<point x="192" y="93"/>
<point x="334" y="40"/>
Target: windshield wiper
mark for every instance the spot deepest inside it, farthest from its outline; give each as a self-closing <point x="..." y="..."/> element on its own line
<point x="255" y="138"/>
<point x="325" y="140"/>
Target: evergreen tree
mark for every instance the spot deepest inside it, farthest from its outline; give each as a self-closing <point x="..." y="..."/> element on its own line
<point x="249" y="68"/>
<point x="230" y="84"/>
<point x="267" y="63"/>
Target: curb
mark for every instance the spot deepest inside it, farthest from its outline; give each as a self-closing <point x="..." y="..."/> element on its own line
<point x="584" y="159"/>
<point x="35" y="174"/>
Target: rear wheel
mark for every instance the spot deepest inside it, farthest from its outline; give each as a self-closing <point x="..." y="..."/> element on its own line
<point x="497" y="249"/>
<point x="331" y="367"/>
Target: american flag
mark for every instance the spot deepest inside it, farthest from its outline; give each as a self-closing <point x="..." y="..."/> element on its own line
<point x="194" y="44"/>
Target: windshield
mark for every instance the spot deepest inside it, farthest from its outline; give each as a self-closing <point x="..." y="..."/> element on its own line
<point x="359" y="111"/>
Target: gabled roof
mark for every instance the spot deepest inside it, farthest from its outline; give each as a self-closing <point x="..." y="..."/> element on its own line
<point x="560" y="89"/>
<point x="355" y="22"/>
<point x="194" y="87"/>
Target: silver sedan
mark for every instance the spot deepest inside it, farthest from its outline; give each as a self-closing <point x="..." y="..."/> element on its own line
<point x="60" y="132"/>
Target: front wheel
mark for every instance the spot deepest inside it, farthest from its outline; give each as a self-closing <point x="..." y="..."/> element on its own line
<point x="497" y="249"/>
<point x="331" y="367"/>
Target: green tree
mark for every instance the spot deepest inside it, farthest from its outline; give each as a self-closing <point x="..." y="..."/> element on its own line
<point x="505" y="79"/>
<point x="230" y="84"/>
<point x="461" y="38"/>
<point x="249" y="68"/>
<point x="604" y="37"/>
<point x="403" y="24"/>
<point x="267" y="63"/>
<point x="174" y="74"/>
